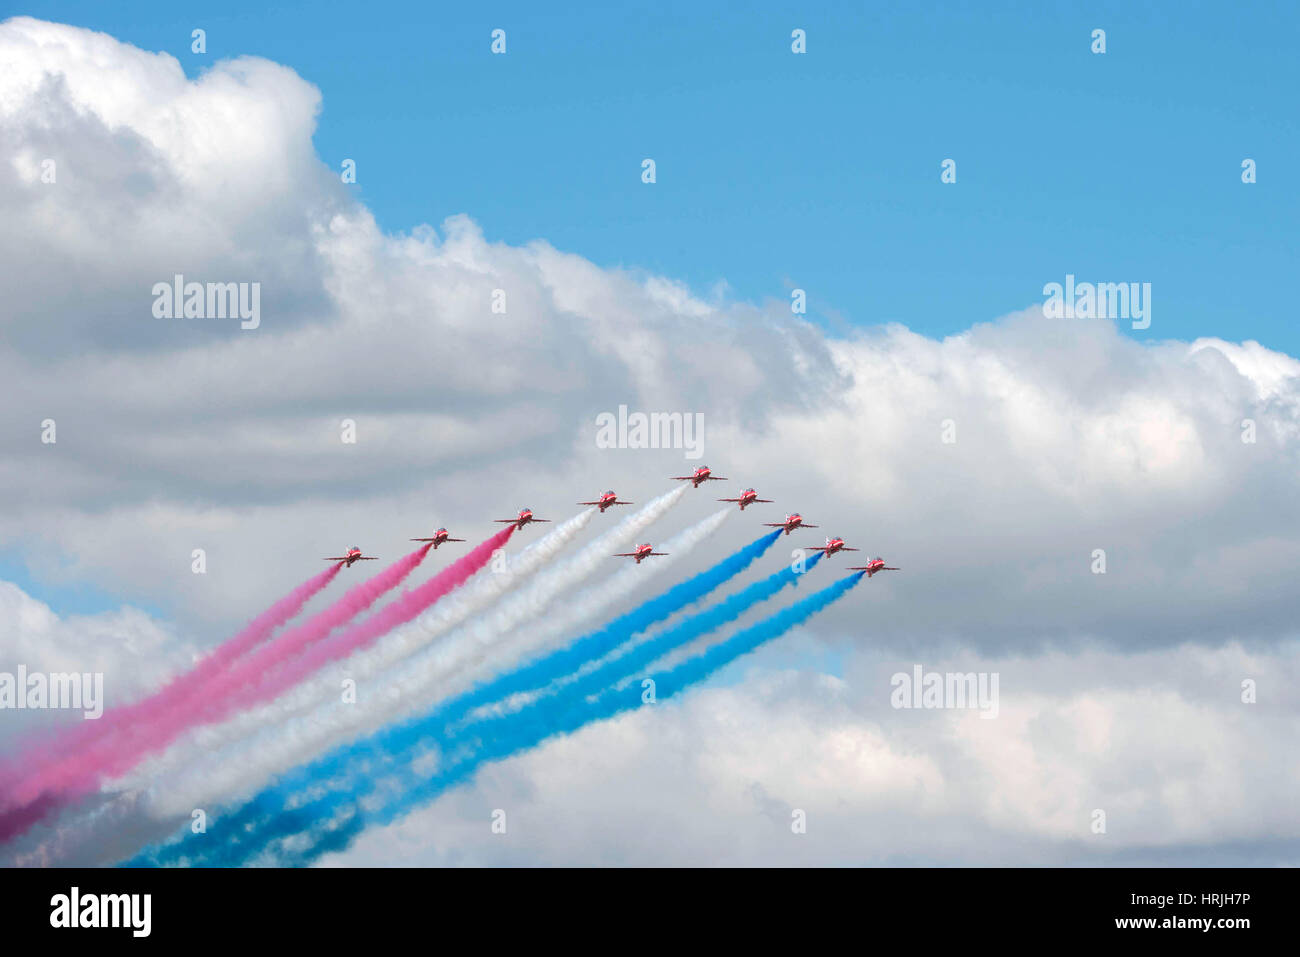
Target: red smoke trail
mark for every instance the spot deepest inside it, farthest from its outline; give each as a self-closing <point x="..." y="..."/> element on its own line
<point x="257" y="678"/>
<point x="44" y="753"/>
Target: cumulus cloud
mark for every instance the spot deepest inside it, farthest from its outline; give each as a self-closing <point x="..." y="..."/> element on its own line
<point x="127" y="646"/>
<point x="995" y="466"/>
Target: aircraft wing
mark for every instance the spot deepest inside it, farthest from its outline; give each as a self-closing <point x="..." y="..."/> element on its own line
<point x="453" y="539"/>
<point x="728" y="500"/>
<point x="425" y="539"/>
<point x="508" y="521"/>
<point x="366" y="558"/>
<point x="845" y="548"/>
<point x="718" y="478"/>
<point x="659" y="553"/>
<point x="623" y="555"/>
<point x="768" y="500"/>
<point x="335" y="559"/>
<point x="597" y="503"/>
<point x="802" y="525"/>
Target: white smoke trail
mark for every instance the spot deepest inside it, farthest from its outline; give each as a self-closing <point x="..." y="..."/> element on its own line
<point x="505" y="652"/>
<point x="452" y="609"/>
<point x="155" y="814"/>
<point x="199" y="746"/>
<point x="518" y="630"/>
<point x="542" y="632"/>
<point x="288" y="743"/>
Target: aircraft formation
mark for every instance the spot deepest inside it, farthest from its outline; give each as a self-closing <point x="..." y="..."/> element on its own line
<point x="793" y="522"/>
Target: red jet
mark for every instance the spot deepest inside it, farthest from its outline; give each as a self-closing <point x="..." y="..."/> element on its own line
<point x="790" y="524"/>
<point x="875" y="565"/>
<point x="439" y="537"/>
<point x="605" y="501"/>
<point x="747" y="497"/>
<point x="642" y="551"/>
<point x="701" y="474"/>
<point x="832" y="546"/>
<point x="523" y="518"/>
<point x="353" y="555"/>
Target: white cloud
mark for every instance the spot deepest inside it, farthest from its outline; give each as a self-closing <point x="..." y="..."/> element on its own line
<point x="1170" y="753"/>
<point x="130" y="649"/>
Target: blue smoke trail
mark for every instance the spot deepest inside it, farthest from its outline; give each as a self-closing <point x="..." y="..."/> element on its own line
<point x="631" y="660"/>
<point x="509" y="734"/>
<point x="244" y="825"/>
<point x="599" y="643"/>
<point x="402" y="741"/>
<point x="309" y="818"/>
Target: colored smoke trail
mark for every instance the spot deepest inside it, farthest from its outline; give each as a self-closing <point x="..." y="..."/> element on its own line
<point x="594" y="600"/>
<point x="279" y="665"/>
<point x="232" y="759"/>
<point x="253" y="634"/>
<point x="482" y="637"/>
<point x="493" y="637"/>
<point x="626" y="660"/>
<point x="43" y="756"/>
<point x="247" y="684"/>
<point x="532" y="635"/>
<point x="254" y="744"/>
<point x="261" y="742"/>
<point x="393" y="741"/>
<point x="598" y="643"/>
<point x="78" y="772"/>
<point x="510" y="734"/>
<point x="545" y="630"/>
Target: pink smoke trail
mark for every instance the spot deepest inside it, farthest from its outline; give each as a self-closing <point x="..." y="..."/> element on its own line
<point x="396" y="613"/>
<point x="259" y="677"/>
<point x="79" y="772"/>
<point x="265" y="685"/>
<point x="43" y="753"/>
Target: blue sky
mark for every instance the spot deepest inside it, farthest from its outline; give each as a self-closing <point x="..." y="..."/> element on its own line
<point x="67" y="595"/>
<point x="819" y="171"/>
